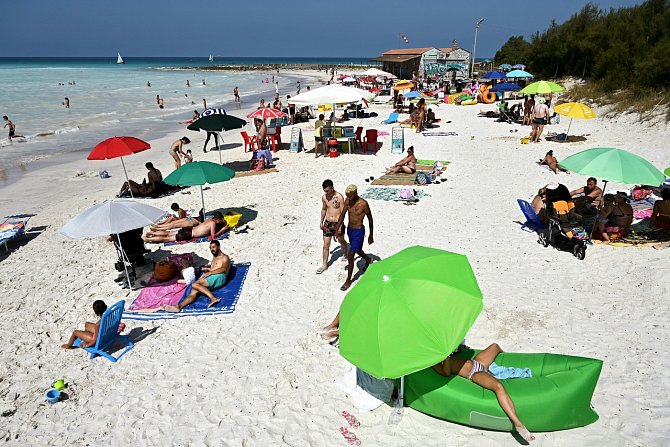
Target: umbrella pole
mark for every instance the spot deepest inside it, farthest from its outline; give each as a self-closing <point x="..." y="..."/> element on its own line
<point x="396" y="414"/>
<point x="128" y="181"/>
<point x="125" y="261"/>
<point x="568" y="132"/>
<point x="202" y="196"/>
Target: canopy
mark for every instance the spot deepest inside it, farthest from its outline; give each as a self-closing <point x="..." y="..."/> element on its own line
<point x="118" y="147"/>
<point x="348" y="79"/>
<point x="198" y="173"/>
<point x="409" y="311"/>
<point x="519" y="74"/>
<point x="376" y="72"/>
<point x="330" y="94"/>
<point x="541" y="88"/>
<point x="454" y="67"/>
<point x="615" y="165"/>
<point x="494" y="75"/>
<point x="505" y="87"/>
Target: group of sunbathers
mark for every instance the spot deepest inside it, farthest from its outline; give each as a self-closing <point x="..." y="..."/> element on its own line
<point x="152" y="186"/>
<point x="187" y="227"/>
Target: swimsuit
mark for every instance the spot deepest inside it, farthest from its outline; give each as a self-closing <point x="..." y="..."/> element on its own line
<point x="476" y="367"/>
<point x="215" y="281"/>
<point x="184" y="234"/>
<point x="330" y="227"/>
<point x="541" y="121"/>
<point x="356" y="238"/>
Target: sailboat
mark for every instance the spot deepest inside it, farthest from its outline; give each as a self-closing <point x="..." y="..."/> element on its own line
<point x="211" y="58"/>
<point x="119" y="59"/>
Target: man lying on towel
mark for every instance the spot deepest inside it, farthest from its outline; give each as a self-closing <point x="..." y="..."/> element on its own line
<point x="213" y="279"/>
<point x="213" y="228"/>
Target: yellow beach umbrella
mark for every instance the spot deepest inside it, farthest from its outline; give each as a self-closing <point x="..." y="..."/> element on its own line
<point x="403" y="85"/>
<point x="575" y="110"/>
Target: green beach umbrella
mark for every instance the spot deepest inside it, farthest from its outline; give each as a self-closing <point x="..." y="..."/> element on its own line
<point x="667" y="171"/>
<point x="614" y="165"/>
<point x="409" y="311"/>
<point x="541" y="88"/>
<point x="198" y="173"/>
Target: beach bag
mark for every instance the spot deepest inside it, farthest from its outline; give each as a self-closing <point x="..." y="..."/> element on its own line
<point x="423" y="179"/>
<point x="258" y="164"/>
<point x="438" y="166"/>
<point x="165" y="271"/>
<point x="103" y="174"/>
<point x="407" y="194"/>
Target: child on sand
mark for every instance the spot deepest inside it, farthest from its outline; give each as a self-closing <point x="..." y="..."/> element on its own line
<point x="90" y="333"/>
<point x="187" y="272"/>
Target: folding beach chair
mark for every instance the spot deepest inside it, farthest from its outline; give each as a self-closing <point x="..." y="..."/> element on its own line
<point x="14" y="227"/>
<point x="393" y="118"/>
<point x="108" y="333"/>
<point x="533" y="222"/>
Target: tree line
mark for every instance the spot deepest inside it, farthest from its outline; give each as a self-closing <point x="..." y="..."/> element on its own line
<point x="620" y="47"/>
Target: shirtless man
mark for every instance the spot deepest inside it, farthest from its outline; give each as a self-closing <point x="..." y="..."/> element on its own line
<point x="552" y="162"/>
<point x="477" y="371"/>
<point x="262" y="133"/>
<point x="591" y="193"/>
<point x="213" y="228"/>
<point x="528" y="105"/>
<point x="540" y="119"/>
<point x="332" y="202"/>
<point x="213" y="279"/>
<point x="236" y="93"/>
<point x="154" y="181"/>
<point x="12" y="129"/>
<point x="357" y="209"/>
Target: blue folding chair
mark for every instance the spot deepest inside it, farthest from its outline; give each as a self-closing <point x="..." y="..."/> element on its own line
<point x="109" y="333"/>
<point x="533" y="222"/>
<point x="393" y="118"/>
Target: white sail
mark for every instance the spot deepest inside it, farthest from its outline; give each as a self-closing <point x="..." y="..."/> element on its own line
<point x="119" y="59"/>
<point x="211" y="58"/>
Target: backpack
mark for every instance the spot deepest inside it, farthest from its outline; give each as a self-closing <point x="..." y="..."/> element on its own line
<point x="423" y="179"/>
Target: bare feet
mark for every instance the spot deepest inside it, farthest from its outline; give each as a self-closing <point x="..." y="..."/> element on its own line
<point x="328" y="335"/>
<point x="66" y="346"/>
<point x="345" y="286"/>
<point x="173" y="309"/>
<point x="525" y="434"/>
<point x="214" y="303"/>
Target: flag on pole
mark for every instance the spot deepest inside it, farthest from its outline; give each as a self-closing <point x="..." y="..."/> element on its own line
<point x="403" y="37"/>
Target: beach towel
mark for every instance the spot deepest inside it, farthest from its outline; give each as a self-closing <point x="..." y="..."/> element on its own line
<point x="198" y="240"/>
<point x="156" y="294"/>
<point x="390" y="194"/>
<point x="228" y="294"/>
<point x="509" y="372"/>
<point x="437" y="133"/>
<point x="250" y="173"/>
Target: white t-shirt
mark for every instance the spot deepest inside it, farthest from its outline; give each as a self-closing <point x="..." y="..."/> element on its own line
<point x="189" y="275"/>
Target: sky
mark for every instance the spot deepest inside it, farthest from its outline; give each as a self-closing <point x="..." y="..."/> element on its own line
<point x="233" y="28"/>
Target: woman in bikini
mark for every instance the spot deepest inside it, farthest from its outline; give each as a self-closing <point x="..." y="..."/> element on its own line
<point x="617" y="212"/>
<point x="477" y="371"/>
<point x="406" y="165"/>
<point x="178" y="148"/>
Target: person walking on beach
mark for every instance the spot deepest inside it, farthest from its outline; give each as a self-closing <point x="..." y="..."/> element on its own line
<point x="357" y="208"/>
<point x="297" y="87"/>
<point x="528" y="105"/>
<point x="477" y="371"/>
<point x="540" y="119"/>
<point x="177" y="149"/>
<point x="332" y="203"/>
<point x="12" y="129"/>
<point x="236" y="93"/>
<point x="209" y="135"/>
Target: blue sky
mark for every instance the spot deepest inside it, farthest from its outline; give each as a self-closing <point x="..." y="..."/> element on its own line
<point x="345" y="28"/>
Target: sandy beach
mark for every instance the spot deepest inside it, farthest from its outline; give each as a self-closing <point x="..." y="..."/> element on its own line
<point x="262" y="376"/>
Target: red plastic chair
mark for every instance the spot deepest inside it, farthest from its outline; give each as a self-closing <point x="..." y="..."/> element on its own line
<point x="359" y="136"/>
<point x="249" y="141"/>
<point x="370" y="139"/>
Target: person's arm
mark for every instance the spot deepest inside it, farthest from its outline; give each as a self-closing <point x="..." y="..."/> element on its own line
<point x="221" y="231"/>
<point x="324" y="208"/>
<point x="402" y="162"/>
<point x="577" y="191"/>
<point x="345" y="208"/>
<point x="368" y="213"/>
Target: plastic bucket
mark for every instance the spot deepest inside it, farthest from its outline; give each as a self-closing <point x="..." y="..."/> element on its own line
<point x="52" y="395"/>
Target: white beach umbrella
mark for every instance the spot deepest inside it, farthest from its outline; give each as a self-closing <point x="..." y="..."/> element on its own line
<point x="376" y="72"/>
<point x="348" y="79"/>
<point x="330" y="94"/>
<point x="111" y="217"/>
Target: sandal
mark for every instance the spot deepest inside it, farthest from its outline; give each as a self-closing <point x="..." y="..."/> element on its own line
<point x="351" y="419"/>
<point x="350" y="437"/>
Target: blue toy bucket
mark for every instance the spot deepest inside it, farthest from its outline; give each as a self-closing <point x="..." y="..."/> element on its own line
<point x="52" y="395"/>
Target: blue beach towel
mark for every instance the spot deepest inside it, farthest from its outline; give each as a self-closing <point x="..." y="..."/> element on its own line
<point x="198" y="240"/>
<point x="509" y="372"/>
<point x="228" y="294"/>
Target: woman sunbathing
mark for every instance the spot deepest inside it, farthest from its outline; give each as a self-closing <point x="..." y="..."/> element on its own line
<point x="186" y="222"/>
<point x="552" y="162"/>
<point x="406" y="165"/>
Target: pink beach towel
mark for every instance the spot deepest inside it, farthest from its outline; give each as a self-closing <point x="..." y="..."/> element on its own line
<point x="157" y="294"/>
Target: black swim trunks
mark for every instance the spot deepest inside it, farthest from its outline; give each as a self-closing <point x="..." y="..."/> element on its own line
<point x="329" y="228"/>
<point x="184" y="234"/>
<point x="540" y="121"/>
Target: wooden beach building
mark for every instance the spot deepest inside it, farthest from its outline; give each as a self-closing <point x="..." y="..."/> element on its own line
<point x="405" y="62"/>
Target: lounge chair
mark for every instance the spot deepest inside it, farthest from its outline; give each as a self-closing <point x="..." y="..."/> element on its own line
<point x="393" y="118"/>
<point x="14" y="227"/>
<point x="108" y="333"/>
<point x="533" y="222"/>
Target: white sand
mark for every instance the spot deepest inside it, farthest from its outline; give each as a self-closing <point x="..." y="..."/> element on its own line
<point x="262" y="376"/>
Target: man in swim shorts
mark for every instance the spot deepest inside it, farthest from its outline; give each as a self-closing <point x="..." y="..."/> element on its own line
<point x="477" y="371"/>
<point x="357" y="208"/>
<point x="331" y="208"/>
<point x="540" y="119"/>
<point x="213" y="279"/>
<point x="12" y="128"/>
<point x="214" y="227"/>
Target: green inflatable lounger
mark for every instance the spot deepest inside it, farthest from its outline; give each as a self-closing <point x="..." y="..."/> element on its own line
<point x="557" y="397"/>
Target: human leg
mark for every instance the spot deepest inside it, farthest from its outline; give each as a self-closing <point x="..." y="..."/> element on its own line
<point x="538" y="132"/>
<point x="177" y="160"/>
<point x="87" y="338"/>
<point x="325" y="253"/>
<point x="488" y="355"/>
<point x="344" y="245"/>
<point x="350" y="269"/>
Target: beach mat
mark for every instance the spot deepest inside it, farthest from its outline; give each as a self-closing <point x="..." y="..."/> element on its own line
<point x="390" y="194"/>
<point x="396" y="179"/>
<point x="250" y="173"/>
<point x="198" y="240"/>
<point x="438" y="133"/>
<point x="431" y="163"/>
<point x="228" y="294"/>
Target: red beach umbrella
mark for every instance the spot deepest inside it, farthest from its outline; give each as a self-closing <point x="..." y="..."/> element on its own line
<point x="266" y="113"/>
<point x="118" y="147"/>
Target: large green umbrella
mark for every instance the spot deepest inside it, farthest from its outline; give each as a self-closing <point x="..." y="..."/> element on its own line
<point x="216" y="120"/>
<point x="614" y="165"/>
<point x="541" y="88"/>
<point x="409" y="311"/>
<point x="667" y="171"/>
<point x="199" y="173"/>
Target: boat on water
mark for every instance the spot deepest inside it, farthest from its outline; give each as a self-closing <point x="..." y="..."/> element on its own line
<point x="211" y="58"/>
<point x="557" y="396"/>
<point x="119" y="59"/>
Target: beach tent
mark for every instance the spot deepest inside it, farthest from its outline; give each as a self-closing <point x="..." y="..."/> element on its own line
<point x="330" y="94"/>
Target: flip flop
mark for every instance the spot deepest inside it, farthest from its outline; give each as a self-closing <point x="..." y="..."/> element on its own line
<point x="320" y="270"/>
<point x="350" y="437"/>
<point x="351" y="419"/>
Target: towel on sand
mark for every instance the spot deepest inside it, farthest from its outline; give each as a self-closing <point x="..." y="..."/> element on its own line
<point x="367" y="392"/>
<point x="157" y="294"/>
<point x="198" y="240"/>
<point x="390" y="194"/>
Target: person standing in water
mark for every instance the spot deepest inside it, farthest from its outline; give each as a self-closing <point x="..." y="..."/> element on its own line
<point x="12" y="129"/>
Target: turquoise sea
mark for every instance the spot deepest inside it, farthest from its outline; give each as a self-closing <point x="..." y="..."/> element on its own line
<point x="108" y="99"/>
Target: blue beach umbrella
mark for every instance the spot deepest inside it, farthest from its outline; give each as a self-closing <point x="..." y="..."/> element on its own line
<point x="494" y="75"/>
<point x="519" y="74"/>
<point x="505" y="67"/>
<point x="413" y="94"/>
<point x="506" y="87"/>
<point x="519" y="66"/>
